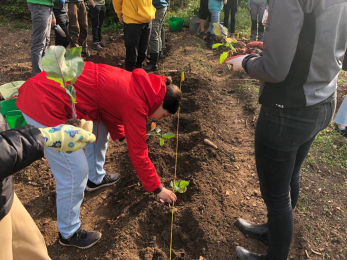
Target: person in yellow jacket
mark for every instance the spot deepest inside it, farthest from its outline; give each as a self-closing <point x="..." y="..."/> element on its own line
<point x="136" y="17"/>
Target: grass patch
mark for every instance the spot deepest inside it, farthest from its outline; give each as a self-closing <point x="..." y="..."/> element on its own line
<point x="332" y="149"/>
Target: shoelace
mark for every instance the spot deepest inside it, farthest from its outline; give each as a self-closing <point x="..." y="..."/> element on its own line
<point x="107" y="178"/>
<point x="81" y="234"/>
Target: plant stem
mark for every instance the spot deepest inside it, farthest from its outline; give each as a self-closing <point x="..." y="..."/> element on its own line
<point x="73" y="107"/>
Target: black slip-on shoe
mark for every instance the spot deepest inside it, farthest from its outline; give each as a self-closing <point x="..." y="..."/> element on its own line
<point x="244" y="254"/>
<point x="253" y="230"/>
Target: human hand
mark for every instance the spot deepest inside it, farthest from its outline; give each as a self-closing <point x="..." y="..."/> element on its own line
<point x="235" y="62"/>
<point x="66" y="138"/>
<point x="54" y="21"/>
<point x="255" y="44"/>
<point x="87" y="125"/>
<point x="121" y="20"/>
<point x="167" y="195"/>
<point x="225" y="2"/>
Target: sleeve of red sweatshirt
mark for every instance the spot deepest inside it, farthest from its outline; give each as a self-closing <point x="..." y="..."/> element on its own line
<point x="135" y="132"/>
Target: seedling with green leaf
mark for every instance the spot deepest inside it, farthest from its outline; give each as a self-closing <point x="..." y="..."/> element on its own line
<point x="228" y="42"/>
<point x="156" y="131"/>
<point x="64" y="67"/>
<point x="180" y="186"/>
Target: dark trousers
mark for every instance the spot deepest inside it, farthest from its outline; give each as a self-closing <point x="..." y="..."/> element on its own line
<point x="230" y="8"/>
<point x="136" y="39"/>
<point x="283" y="138"/>
<point x="97" y="16"/>
<point x="63" y="21"/>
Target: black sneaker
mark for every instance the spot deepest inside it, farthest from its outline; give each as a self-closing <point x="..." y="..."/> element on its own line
<point x="343" y="132"/>
<point x="81" y="239"/>
<point x="108" y="180"/>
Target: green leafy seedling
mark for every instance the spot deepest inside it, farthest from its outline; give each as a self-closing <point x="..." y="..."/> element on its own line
<point x="180" y="186"/>
<point x="221" y="31"/>
<point x="64" y="67"/>
<point x="156" y="131"/>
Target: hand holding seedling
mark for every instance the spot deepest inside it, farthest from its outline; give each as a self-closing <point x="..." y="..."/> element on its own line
<point x="66" y="138"/>
<point x="167" y="196"/>
<point x="235" y="62"/>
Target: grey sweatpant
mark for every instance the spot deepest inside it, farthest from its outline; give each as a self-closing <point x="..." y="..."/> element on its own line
<point x="156" y="34"/>
<point x="41" y="17"/>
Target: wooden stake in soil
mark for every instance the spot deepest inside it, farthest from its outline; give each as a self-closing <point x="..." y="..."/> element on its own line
<point x="173" y="186"/>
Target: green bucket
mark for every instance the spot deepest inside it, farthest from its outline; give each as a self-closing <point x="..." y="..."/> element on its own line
<point x="13" y="116"/>
<point x="176" y="24"/>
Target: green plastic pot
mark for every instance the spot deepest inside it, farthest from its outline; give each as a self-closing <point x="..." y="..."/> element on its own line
<point x="15" y="119"/>
<point x="13" y="116"/>
<point x="176" y="24"/>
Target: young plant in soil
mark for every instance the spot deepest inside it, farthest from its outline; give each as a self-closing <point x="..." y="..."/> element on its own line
<point x="180" y="186"/>
<point x="234" y="47"/>
<point x="156" y="131"/>
<point x="65" y="67"/>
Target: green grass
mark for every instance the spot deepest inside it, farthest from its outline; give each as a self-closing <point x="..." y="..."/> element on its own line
<point x="333" y="149"/>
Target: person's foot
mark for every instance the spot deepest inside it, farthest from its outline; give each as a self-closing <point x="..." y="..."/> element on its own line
<point x="85" y="53"/>
<point x="201" y="35"/>
<point x="244" y="254"/>
<point x="97" y="46"/>
<point x="343" y="132"/>
<point x="81" y="239"/>
<point x="102" y="44"/>
<point x="253" y="230"/>
<point x="108" y="180"/>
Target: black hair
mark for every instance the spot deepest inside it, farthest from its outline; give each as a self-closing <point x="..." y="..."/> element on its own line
<point x="172" y="97"/>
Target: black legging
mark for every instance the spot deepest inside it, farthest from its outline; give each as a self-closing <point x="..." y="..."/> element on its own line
<point x="283" y="138"/>
<point x="230" y="8"/>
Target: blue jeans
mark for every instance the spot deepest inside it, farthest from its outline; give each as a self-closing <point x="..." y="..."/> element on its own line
<point x="41" y="16"/>
<point x="341" y="115"/>
<point x="283" y="138"/>
<point x="214" y="19"/>
<point x="71" y="172"/>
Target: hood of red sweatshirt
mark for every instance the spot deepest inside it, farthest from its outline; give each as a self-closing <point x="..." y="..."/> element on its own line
<point x="153" y="86"/>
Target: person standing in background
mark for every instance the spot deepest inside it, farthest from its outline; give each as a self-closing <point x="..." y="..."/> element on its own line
<point x="257" y="8"/>
<point x="62" y="19"/>
<point x="42" y="19"/>
<point x="155" y="39"/>
<point x="230" y="8"/>
<point x="163" y="38"/>
<point x="204" y="14"/>
<point x="136" y="17"/>
<point x="97" y="15"/>
<point x="299" y="70"/>
<point x="78" y="25"/>
<point x="214" y="7"/>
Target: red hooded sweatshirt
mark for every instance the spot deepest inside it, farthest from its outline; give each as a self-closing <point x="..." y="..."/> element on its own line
<point x="122" y="100"/>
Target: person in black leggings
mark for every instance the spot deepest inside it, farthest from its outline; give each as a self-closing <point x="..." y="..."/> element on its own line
<point x="204" y="14"/>
<point x="297" y="97"/>
<point x="230" y="8"/>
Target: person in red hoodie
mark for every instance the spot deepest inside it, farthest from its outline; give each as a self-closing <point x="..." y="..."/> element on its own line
<point x="119" y="103"/>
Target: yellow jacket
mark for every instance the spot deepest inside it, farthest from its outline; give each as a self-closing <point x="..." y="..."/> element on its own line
<point x="134" y="11"/>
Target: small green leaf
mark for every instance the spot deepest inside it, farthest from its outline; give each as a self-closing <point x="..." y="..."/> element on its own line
<point x="180" y="186"/>
<point x="161" y="142"/>
<point x="168" y="135"/>
<point x="70" y="90"/>
<point x="75" y="64"/>
<point x="216" y="45"/>
<point x="222" y="57"/>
